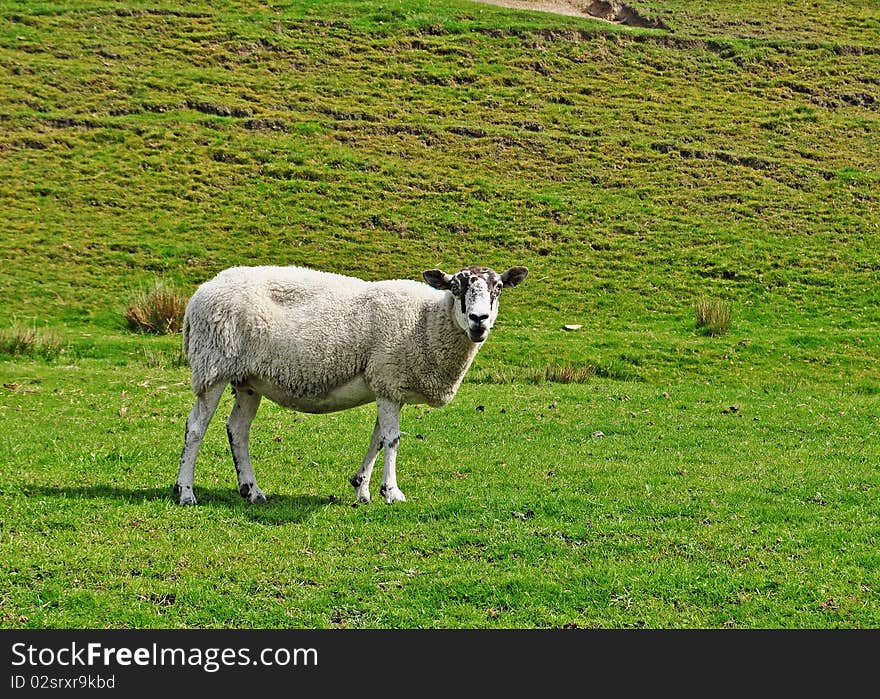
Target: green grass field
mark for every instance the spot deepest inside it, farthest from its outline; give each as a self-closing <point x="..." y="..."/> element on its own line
<point x="686" y="481"/>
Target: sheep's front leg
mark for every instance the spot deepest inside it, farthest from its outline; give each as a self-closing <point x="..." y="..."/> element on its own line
<point x="361" y="479"/>
<point x="238" y="429"/>
<point x="389" y="429"/>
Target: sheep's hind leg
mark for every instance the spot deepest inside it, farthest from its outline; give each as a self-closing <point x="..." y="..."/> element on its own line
<point x="389" y="428"/>
<point x="196" y="426"/>
<point x="238" y="429"/>
<point x="361" y="480"/>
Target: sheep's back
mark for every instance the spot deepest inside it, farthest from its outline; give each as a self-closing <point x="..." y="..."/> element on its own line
<point x="302" y="329"/>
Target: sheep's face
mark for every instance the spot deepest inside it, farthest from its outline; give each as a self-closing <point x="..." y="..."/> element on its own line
<point x="476" y="290"/>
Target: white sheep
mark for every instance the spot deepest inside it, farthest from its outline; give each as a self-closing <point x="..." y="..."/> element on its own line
<point x="319" y="342"/>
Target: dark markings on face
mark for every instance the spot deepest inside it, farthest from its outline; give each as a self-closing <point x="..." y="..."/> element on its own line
<point x="356" y="480"/>
<point x="244" y="490"/>
<point x="459" y="286"/>
<point x="383" y="490"/>
<point x="394" y="442"/>
<point x="463" y="279"/>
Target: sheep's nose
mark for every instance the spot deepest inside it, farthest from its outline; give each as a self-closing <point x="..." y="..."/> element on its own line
<point x="478" y="319"/>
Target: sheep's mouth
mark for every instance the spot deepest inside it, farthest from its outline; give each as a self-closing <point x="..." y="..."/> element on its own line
<point x="478" y="335"/>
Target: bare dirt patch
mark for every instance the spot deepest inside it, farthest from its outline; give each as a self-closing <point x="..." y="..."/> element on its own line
<point x="609" y="11"/>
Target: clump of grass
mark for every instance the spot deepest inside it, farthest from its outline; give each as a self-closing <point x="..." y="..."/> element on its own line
<point x="157" y="310"/>
<point x="551" y="373"/>
<point x="164" y="358"/>
<point x="564" y="373"/>
<point x="712" y="316"/>
<point x="26" y="341"/>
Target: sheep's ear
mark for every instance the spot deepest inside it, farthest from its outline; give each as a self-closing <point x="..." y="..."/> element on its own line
<point x="514" y="276"/>
<point x="437" y="278"/>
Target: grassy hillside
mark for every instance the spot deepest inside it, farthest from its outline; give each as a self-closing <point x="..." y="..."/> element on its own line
<point x="732" y="155"/>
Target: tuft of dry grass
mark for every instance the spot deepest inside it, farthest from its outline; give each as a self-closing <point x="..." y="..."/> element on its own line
<point x="26" y="340"/>
<point x="712" y="316"/>
<point x="564" y="373"/>
<point x="158" y="310"/>
<point x="552" y="373"/>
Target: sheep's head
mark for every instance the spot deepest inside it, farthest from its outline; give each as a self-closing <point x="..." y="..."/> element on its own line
<point x="477" y="290"/>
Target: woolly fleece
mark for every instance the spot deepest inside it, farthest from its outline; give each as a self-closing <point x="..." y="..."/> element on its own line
<point x="308" y="332"/>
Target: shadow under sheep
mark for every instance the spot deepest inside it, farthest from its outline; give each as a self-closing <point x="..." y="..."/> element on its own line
<point x="280" y="509"/>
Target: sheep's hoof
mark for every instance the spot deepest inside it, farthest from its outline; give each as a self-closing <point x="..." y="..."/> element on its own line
<point x="392" y="494"/>
<point x="251" y="493"/>
<point x="187" y="497"/>
<point x="361" y="489"/>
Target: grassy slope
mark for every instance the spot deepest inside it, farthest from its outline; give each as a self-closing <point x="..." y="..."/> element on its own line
<point x="733" y="156"/>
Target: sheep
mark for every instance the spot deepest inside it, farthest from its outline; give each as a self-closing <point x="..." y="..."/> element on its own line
<point x="319" y="342"/>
